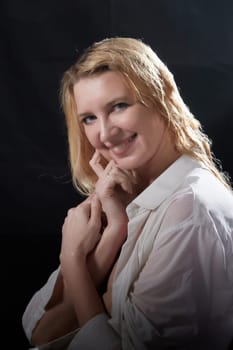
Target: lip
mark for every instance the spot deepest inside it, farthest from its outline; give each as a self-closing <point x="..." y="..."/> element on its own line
<point x="123" y="147"/>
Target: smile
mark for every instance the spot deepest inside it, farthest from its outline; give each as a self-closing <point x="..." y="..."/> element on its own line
<point x="123" y="147"/>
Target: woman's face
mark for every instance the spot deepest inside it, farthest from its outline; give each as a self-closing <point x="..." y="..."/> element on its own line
<point x="116" y="124"/>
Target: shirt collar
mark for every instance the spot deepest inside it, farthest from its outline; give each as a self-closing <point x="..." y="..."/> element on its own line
<point x="166" y="183"/>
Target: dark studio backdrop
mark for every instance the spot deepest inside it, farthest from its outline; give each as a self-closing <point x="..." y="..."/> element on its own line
<point x="39" y="40"/>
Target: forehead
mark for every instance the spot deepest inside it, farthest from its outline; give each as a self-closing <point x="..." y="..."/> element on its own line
<point x="107" y="85"/>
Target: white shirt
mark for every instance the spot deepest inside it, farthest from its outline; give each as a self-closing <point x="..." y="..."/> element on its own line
<point x="174" y="278"/>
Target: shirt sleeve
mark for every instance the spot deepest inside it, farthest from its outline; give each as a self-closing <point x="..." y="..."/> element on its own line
<point x="179" y="293"/>
<point x="36" y="307"/>
<point x="97" y="333"/>
<point x="60" y="343"/>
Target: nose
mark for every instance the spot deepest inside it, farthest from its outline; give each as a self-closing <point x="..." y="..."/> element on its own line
<point x="108" y="131"/>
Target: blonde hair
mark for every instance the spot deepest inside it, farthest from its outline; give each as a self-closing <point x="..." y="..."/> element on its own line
<point x="153" y="84"/>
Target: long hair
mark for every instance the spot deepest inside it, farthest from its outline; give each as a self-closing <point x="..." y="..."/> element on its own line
<point x="153" y="85"/>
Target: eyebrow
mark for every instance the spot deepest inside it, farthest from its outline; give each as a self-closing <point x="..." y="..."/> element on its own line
<point x="117" y="100"/>
<point x="83" y="115"/>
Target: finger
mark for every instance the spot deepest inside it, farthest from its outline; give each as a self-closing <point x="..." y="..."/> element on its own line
<point x="131" y="175"/>
<point x="116" y="176"/>
<point x="85" y="201"/>
<point x="110" y="166"/>
<point x="69" y="212"/>
<point x="95" y="163"/>
<point x="85" y="206"/>
<point x="125" y="184"/>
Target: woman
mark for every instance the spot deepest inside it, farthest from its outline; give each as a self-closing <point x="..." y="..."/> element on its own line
<point x="147" y="259"/>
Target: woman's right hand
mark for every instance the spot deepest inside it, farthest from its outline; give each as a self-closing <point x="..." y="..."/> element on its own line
<point x="115" y="189"/>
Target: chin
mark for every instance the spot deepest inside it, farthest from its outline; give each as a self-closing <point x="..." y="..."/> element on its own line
<point x="127" y="165"/>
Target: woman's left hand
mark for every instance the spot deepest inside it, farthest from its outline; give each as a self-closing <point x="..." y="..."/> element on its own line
<point x="80" y="236"/>
<point x="81" y="230"/>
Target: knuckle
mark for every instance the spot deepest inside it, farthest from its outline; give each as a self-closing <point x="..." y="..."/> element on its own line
<point x="70" y="211"/>
<point x="114" y="171"/>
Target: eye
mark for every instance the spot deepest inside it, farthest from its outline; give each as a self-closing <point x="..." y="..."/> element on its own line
<point x="120" y="106"/>
<point x="89" y="119"/>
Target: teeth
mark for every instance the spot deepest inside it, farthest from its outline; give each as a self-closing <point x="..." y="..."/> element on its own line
<point x="123" y="145"/>
<point x="120" y="147"/>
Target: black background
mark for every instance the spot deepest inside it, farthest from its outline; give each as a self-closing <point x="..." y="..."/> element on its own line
<point x="39" y="40"/>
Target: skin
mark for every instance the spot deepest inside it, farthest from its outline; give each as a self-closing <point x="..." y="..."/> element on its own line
<point x="121" y="128"/>
<point x="136" y="143"/>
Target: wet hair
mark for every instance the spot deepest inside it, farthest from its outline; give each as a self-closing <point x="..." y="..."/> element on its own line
<point x="153" y="85"/>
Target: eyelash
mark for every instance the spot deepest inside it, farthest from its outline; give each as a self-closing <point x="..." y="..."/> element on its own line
<point x="85" y="119"/>
<point x="120" y="105"/>
<point x="117" y="106"/>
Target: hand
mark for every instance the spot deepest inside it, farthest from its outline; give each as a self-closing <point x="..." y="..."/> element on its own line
<point x="80" y="236"/>
<point x="114" y="188"/>
<point x="81" y="230"/>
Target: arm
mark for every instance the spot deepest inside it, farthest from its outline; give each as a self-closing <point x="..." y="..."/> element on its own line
<point x="59" y="317"/>
<point x="77" y="269"/>
<point x="99" y="261"/>
<point x="75" y="249"/>
<point x="114" y="189"/>
<point x="87" y="303"/>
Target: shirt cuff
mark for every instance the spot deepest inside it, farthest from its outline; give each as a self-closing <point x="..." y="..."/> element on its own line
<point x="60" y="343"/>
<point x="36" y="307"/>
<point x="96" y="334"/>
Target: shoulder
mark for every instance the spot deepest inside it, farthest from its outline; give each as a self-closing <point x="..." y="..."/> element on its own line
<point x="211" y="199"/>
<point x="201" y="201"/>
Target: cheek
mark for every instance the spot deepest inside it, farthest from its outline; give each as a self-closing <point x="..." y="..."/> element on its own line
<point x="92" y="137"/>
<point x="155" y="128"/>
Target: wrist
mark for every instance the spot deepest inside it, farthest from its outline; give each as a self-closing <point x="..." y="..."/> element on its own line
<point x="118" y="224"/>
<point x="73" y="269"/>
<point x="115" y="233"/>
<point x="80" y="255"/>
<point x="72" y="259"/>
